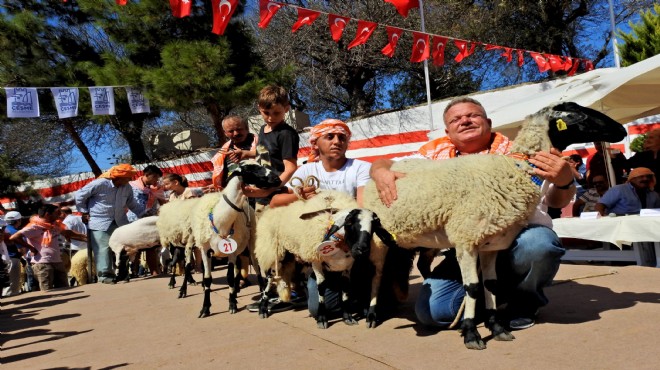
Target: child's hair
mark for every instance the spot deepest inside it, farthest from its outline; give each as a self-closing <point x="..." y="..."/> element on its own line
<point x="152" y="170"/>
<point x="271" y="95"/>
<point x="47" y="208"/>
<point x="176" y="177"/>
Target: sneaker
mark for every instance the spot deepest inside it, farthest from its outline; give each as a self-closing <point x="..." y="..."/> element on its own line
<point x="108" y="280"/>
<point x="253" y="307"/>
<point x="521" y="323"/>
<point x="276" y="305"/>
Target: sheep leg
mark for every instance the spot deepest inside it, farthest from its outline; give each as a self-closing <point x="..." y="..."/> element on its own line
<point x="321" y="319"/>
<point x="233" y="269"/>
<point x="467" y="260"/>
<point x="345" y="302"/>
<point x="175" y="252"/>
<point x="206" y="282"/>
<point x="371" y="317"/>
<point x="490" y="290"/>
<point x="122" y="267"/>
<point x="263" y="304"/>
<point x="189" y="266"/>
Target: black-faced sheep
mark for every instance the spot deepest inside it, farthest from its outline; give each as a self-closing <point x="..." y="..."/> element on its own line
<point x="296" y="231"/>
<point x="224" y="223"/>
<point x="479" y="203"/>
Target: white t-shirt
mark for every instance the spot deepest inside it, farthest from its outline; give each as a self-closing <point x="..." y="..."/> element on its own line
<point x="352" y="175"/>
<point x="75" y="223"/>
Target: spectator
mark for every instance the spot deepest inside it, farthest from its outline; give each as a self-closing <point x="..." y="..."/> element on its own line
<point x="177" y="185"/>
<point x="631" y="197"/>
<point x="649" y="157"/>
<point x="41" y="238"/>
<point x="104" y="201"/>
<point x="13" y="220"/>
<point x="242" y="144"/>
<point x="597" y="186"/>
<point x="596" y="163"/>
<point x="75" y="223"/>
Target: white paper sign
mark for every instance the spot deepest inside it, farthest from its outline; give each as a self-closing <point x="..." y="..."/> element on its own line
<point x="103" y="100"/>
<point x="22" y="102"/>
<point x="649" y="212"/>
<point x="589" y="215"/>
<point x="137" y="101"/>
<point x="66" y="101"/>
<point x="227" y="246"/>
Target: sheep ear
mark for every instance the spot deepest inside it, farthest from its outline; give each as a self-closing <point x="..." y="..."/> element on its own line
<point x="383" y="234"/>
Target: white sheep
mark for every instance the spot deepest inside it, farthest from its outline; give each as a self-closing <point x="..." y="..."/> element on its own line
<point x="126" y="241"/>
<point x="295" y="232"/>
<point x="479" y="203"/>
<point x="224" y="223"/>
<point x="79" y="267"/>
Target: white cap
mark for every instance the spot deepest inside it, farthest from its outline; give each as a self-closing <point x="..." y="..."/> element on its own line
<point x="2" y="223"/>
<point x="13" y="216"/>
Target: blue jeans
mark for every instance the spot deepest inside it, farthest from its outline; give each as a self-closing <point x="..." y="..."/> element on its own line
<point x="99" y="240"/>
<point x="523" y="271"/>
<point x="332" y="294"/>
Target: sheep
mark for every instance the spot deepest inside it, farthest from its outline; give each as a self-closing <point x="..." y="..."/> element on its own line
<point x="79" y="267"/>
<point x="297" y="231"/>
<point x="224" y="223"/>
<point x="126" y="241"/>
<point x="479" y="203"/>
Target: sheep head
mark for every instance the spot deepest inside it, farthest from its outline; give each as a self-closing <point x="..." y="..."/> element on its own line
<point x="570" y="123"/>
<point x="255" y="174"/>
<point x="359" y="226"/>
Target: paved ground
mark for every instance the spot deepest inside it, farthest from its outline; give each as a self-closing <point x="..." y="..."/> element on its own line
<point x="600" y="317"/>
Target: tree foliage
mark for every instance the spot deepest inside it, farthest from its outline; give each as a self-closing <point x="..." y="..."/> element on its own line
<point x="643" y="41"/>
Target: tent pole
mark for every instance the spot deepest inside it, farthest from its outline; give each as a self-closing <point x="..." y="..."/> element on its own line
<point x="617" y="62"/>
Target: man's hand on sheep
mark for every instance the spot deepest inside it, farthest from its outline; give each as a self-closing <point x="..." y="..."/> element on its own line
<point x="385" y="181"/>
<point x="554" y="169"/>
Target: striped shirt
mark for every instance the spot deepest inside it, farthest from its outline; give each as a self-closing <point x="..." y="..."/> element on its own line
<point x="590" y="198"/>
<point x="106" y="203"/>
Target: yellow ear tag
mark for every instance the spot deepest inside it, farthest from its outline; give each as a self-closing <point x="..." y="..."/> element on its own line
<point x="561" y="125"/>
<point x="394" y="236"/>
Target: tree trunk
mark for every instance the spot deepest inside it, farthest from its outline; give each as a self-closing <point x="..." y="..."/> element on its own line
<point x="68" y="125"/>
<point x="130" y="128"/>
<point x="217" y="113"/>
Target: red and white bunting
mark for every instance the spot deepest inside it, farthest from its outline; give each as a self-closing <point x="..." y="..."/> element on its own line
<point x="337" y="25"/>
<point x="465" y="49"/>
<point x="393" y="35"/>
<point x="508" y="54"/>
<point x="404" y="6"/>
<point x="540" y="61"/>
<point x="438" y="54"/>
<point x="588" y="65"/>
<point x="121" y="2"/>
<point x="305" y="17"/>
<point x="421" y="48"/>
<point x="364" y="31"/>
<point x="555" y="61"/>
<point x="222" y="12"/>
<point x="181" y="8"/>
<point x="521" y="57"/>
<point x="267" y="10"/>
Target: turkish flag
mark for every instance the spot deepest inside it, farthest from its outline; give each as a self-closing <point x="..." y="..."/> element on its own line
<point x="576" y="64"/>
<point x="305" y="16"/>
<point x="588" y="66"/>
<point x="403" y="6"/>
<point x="507" y="54"/>
<point x="463" y="50"/>
<point x="267" y="10"/>
<point x="222" y="12"/>
<point x="121" y="2"/>
<point x="337" y="24"/>
<point x="364" y="31"/>
<point x="568" y="63"/>
<point x="421" y="48"/>
<point x="555" y="61"/>
<point x="521" y="58"/>
<point x="181" y="8"/>
<point x="540" y="61"/>
<point x="492" y="47"/>
<point x="439" y="44"/>
<point x="393" y="35"/>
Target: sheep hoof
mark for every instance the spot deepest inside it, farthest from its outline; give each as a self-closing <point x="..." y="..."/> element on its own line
<point x="232" y="308"/>
<point x="321" y="322"/>
<point x="263" y="315"/>
<point x="504" y="336"/>
<point x="475" y="344"/>
<point x="371" y="320"/>
<point x="182" y="294"/>
<point x="205" y="312"/>
<point x="349" y="320"/>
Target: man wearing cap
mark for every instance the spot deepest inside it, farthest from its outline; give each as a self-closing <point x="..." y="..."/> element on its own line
<point x="13" y="220"/>
<point x="631" y="197"/>
<point x="328" y="163"/>
<point x="103" y="201"/>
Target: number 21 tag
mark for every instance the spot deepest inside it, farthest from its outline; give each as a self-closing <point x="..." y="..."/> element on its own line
<point x="228" y="246"/>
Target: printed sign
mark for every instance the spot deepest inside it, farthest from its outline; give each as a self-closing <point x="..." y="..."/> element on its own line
<point x="66" y="101"/>
<point x="103" y="100"/>
<point x="22" y="102"/>
<point x="137" y="101"/>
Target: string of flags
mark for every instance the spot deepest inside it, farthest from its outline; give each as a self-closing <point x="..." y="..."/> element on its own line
<point x="23" y="102"/>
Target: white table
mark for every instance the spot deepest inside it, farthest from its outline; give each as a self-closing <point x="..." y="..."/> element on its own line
<point x="616" y="230"/>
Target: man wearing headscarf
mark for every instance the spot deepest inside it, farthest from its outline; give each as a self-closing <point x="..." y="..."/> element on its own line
<point x="631" y="197"/>
<point x="328" y="163"/>
<point x="103" y="202"/>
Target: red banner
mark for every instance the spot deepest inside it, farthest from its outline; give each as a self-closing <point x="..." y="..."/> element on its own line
<point x="337" y="25"/>
<point x="305" y="16"/>
<point x="267" y="10"/>
<point x="439" y="44"/>
<point x="393" y="35"/>
<point x="421" y="49"/>
<point x="222" y="12"/>
<point x="364" y="31"/>
<point x="404" y="6"/>
<point x="181" y="8"/>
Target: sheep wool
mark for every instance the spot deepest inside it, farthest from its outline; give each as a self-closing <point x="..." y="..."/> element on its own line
<point x="175" y="223"/>
<point x="79" y="267"/>
<point x="135" y="236"/>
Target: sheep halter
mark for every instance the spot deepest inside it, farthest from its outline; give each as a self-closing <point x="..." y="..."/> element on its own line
<point x="237" y="209"/>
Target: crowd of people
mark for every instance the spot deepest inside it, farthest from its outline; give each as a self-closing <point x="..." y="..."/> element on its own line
<point x="524" y="269"/>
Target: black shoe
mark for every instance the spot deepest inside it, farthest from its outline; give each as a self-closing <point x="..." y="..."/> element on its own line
<point x="108" y="280"/>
